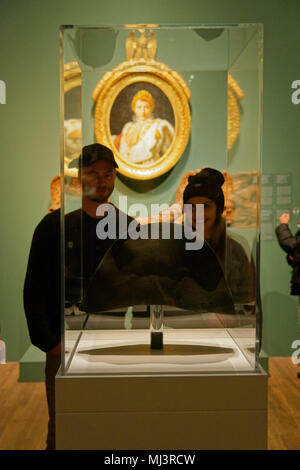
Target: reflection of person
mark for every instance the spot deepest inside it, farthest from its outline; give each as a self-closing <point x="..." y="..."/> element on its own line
<point x="206" y="188"/>
<point x="72" y="139"/>
<point x="42" y="301"/>
<point x="291" y="245"/>
<point x="145" y="139"/>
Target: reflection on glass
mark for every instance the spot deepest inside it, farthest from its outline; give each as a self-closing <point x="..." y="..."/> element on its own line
<point x="203" y="301"/>
<point x="205" y="187"/>
<point x="158" y="272"/>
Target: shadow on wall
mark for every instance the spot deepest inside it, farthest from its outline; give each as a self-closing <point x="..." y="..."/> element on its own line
<point x="280" y="323"/>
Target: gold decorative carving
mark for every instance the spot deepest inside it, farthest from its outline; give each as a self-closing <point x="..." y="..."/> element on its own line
<point x="73" y="187"/>
<point x="141" y="47"/>
<point x="55" y="192"/>
<point x="72" y="76"/>
<point x="234" y="95"/>
<point x="246" y="194"/>
<point x="72" y="127"/>
<point x="72" y="141"/>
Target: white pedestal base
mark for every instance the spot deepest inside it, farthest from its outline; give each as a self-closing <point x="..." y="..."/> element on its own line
<point x="206" y="410"/>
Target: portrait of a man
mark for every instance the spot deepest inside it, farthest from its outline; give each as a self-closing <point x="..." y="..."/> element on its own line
<point x="142" y="124"/>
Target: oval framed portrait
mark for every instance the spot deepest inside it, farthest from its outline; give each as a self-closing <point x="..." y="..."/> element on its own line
<point x="144" y="117"/>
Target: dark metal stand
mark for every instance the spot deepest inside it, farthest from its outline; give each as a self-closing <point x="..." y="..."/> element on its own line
<point x="156" y="326"/>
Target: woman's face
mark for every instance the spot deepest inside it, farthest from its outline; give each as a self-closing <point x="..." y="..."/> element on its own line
<point x="210" y="213"/>
<point x="142" y="110"/>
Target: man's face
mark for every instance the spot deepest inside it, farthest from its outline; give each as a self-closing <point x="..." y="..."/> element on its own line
<point x="98" y="181"/>
<point x="142" y="110"/>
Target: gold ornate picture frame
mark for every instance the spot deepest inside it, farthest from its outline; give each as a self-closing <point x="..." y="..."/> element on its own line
<point x="151" y="149"/>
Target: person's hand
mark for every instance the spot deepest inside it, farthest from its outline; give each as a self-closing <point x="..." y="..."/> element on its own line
<point x="284" y="218"/>
<point x="56" y="351"/>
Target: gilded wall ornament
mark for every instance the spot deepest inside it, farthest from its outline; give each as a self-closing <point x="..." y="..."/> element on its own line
<point x="72" y="141"/>
<point x="234" y="95"/>
<point x="72" y="122"/>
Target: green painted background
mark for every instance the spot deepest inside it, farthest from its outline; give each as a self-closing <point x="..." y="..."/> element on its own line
<point x="29" y="130"/>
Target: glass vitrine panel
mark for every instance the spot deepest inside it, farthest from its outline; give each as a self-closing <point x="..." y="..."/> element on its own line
<point x="161" y="279"/>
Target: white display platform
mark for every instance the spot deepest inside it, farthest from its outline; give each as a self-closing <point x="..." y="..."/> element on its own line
<point x="231" y="357"/>
<point x="155" y="401"/>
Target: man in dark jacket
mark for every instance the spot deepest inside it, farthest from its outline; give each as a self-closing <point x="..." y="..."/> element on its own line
<point x="291" y="245"/>
<point x="83" y="252"/>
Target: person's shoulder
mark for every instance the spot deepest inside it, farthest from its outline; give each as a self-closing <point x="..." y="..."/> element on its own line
<point x="50" y="219"/>
<point x="74" y="215"/>
<point x="159" y="121"/>
<point x="49" y="226"/>
<point x="282" y="228"/>
<point x="126" y="126"/>
<point x="284" y="234"/>
<point x="164" y="123"/>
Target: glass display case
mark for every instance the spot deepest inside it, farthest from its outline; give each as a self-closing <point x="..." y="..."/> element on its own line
<point x="161" y="265"/>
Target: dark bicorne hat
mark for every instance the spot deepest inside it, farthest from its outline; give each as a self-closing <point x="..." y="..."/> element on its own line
<point x="207" y="183"/>
<point x="94" y="152"/>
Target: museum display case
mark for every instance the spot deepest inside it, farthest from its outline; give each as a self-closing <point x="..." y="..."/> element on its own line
<point x="158" y="296"/>
<point x="160" y="238"/>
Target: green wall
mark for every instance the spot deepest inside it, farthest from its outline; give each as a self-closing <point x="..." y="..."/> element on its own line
<point x="29" y="131"/>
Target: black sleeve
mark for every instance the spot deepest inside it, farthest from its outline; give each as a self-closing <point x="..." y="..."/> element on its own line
<point x="240" y="273"/>
<point x="286" y="239"/>
<point x="42" y="284"/>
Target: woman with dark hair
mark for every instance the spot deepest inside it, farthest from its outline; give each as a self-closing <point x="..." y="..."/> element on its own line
<point x="206" y="188"/>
